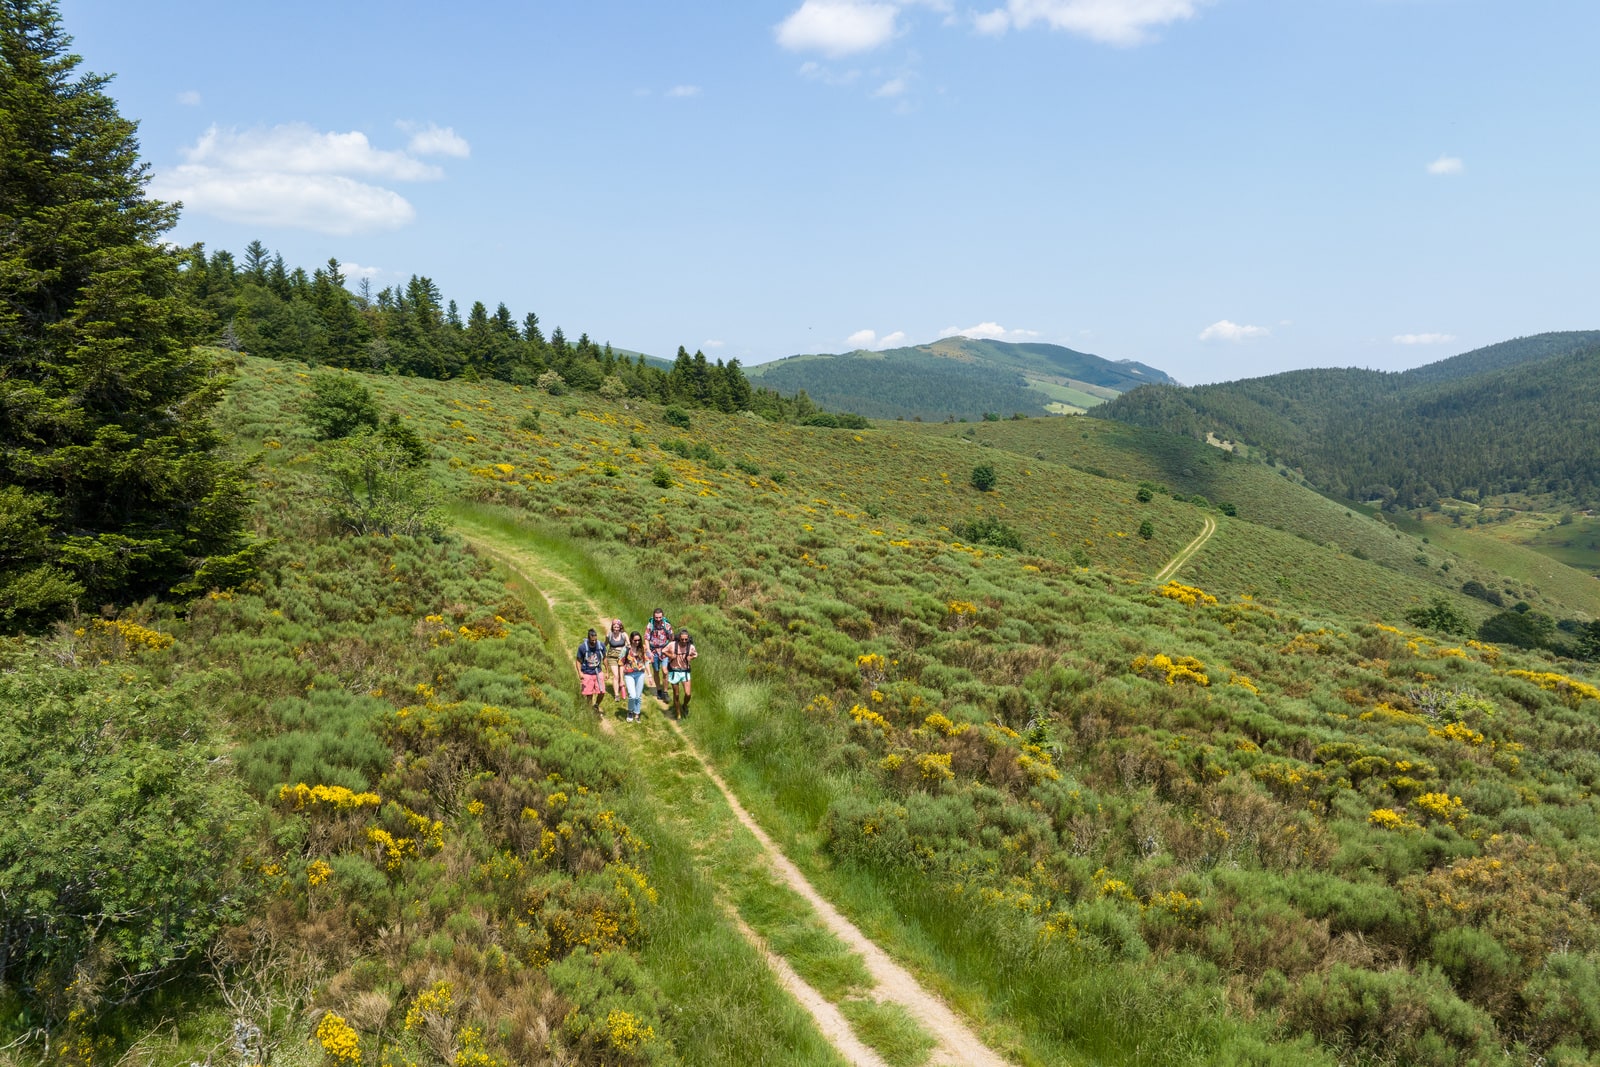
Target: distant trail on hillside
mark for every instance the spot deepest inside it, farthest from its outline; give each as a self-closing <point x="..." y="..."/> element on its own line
<point x="1170" y="571"/>
<point x="958" y="1044"/>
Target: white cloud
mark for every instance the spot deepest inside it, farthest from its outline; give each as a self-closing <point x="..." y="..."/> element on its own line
<point x="988" y="331"/>
<point x="189" y="98"/>
<point x="1423" y="338"/>
<point x="715" y="344"/>
<point x="1119" y="22"/>
<point x="816" y="72"/>
<point x="681" y="91"/>
<point x="356" y="270"/>
<point x="838" y="27"/>
<point x="433" y="140"/>
<point x="892" y="87"/>
<point x="294" y="175"/>
<point x="870" y="339"/>
<point x="1446" y="165"/>
<point x="1232" y="331"/>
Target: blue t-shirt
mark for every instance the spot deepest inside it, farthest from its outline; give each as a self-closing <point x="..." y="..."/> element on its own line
<point x="591" y="654"/>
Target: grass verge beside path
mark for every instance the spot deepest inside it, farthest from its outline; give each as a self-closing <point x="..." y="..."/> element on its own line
<point x="688" y="808"/>
<point x="726" y="1006"/>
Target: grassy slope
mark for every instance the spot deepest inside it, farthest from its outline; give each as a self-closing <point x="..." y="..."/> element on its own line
<point x="1172" y="860"/>
<point x="1271" y="498"/>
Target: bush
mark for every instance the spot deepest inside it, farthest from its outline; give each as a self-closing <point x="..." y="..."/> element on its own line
<point x="1144" y="494"/>
<point x="987" y="531"/>
<point x="825" y="419"/>
<point x="1146" y="530"/>
<point x="983" y="477"/>
<point x="119" y="835"/>
<point x="676" y="416"/>
<point x="552" y="382"/>
<point x="404" y="440"/>
<point x="339" y="405"/>
<point x="1524" y="629"/>
<point x="530" y="422"/>
<point x="1475" y="588"/>
<point x="371" y="486"/>
<point x="661" y="477"/>
<point x="1442" y="616"/>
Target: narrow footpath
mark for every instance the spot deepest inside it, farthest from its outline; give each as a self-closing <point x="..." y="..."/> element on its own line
<point x="1170" y="571"/>
<point x="681" y="767"/>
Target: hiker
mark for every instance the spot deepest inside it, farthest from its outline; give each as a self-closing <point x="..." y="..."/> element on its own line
<point x="616" y="643"/>
<point x="679" y="655"/>
<point x="591" y="655"/>
<point x="658" y="633"/>
<point x="635" y="665"/>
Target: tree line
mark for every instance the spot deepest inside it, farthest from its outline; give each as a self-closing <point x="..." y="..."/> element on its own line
<point x="1411" y="439"/>
<point x="257" y="304"/>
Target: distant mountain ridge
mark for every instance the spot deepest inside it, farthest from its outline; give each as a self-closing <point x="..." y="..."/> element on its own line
<point x="957" y="377"/>
<point x="1515" y="417"/>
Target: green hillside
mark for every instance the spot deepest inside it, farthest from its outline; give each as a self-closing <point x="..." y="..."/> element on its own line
<point x="958" y="378"/>
<point x="1509" y="419"/>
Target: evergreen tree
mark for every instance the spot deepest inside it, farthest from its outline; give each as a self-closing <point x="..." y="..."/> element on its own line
<point x="114" y="488"/>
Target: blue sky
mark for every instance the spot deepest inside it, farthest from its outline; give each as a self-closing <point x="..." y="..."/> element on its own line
<point x="1219" y="188"/>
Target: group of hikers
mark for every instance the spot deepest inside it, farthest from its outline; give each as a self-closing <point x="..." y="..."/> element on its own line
<point x="658" y="658"/>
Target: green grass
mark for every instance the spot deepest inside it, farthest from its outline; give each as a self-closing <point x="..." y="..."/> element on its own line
<point x="890" y="1030"/>
<point x="1174" y="872"/>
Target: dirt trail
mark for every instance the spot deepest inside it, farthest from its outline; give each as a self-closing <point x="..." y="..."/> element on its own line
<point x="958" y="1045"/>
<point x="1170" y="571"/>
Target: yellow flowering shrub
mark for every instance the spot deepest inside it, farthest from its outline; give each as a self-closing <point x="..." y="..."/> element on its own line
<point x="317" y="872"/>
<point x="867" y="717"/>
<point x="1442" y="806"/>
<point x="627" y="1032"/>
<point x="1389" y="819"/>
<point x="301" y="796"/>
<point x="1172" y="671"/>
<point x="873" y="668"/>
<point x="437" y="1000"/>
<point x="472" y="1052"/>
<point x="1458" y="731"/>
<point x="935" y="766"/>
<point x="944" y="726"/>
<point x="1185" y="594"/>
<point x="339" y="1040"/>
<point x="1570" y="688"/>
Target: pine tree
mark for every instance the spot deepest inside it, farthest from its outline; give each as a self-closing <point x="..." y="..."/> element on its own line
<point x="114" y="488"/>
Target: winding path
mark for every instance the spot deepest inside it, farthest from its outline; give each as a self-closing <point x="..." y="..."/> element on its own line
<point x="1170" y="571"/>
<point x="958" y="1045"/>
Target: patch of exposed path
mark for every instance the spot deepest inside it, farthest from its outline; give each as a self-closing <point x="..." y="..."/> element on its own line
<point x="1170" y="571"/>
<point x="958" y="1044"/>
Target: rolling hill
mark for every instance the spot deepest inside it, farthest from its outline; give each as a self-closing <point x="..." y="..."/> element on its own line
<point x="957" y="378"/>
<point x="1509" y="419"/>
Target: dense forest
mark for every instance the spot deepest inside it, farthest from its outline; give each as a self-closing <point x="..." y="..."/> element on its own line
<point x="1511" y="418"/>
<point x="258" y="305"/>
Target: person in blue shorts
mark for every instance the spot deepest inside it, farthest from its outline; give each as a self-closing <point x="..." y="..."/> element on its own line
<point x="658" y="635"/>
<point x="679" y="655"/>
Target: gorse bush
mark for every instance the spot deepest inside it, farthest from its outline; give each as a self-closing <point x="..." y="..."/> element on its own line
<point x="983" y="477"/>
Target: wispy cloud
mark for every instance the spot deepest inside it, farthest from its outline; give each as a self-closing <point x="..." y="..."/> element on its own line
<point x="431" y="140"/>
<point x="870" y="339"/>
<point x="838" y="27"/>
<point x="1446" y="165"/>
<point x="1423" y="338"/>
<point x="357" y="270"/>
<point x="988" y="331"/>
<point x="294" y="175"/>
<point x="1117" y="22"/>
<point x="892" y="87"/>
<point x="189" y="98"/>
<point x="1232" y="331"/>
<point x="681" y="91"/>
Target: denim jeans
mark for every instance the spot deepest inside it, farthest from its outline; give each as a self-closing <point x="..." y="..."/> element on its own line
<point x="635" y="682"/>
